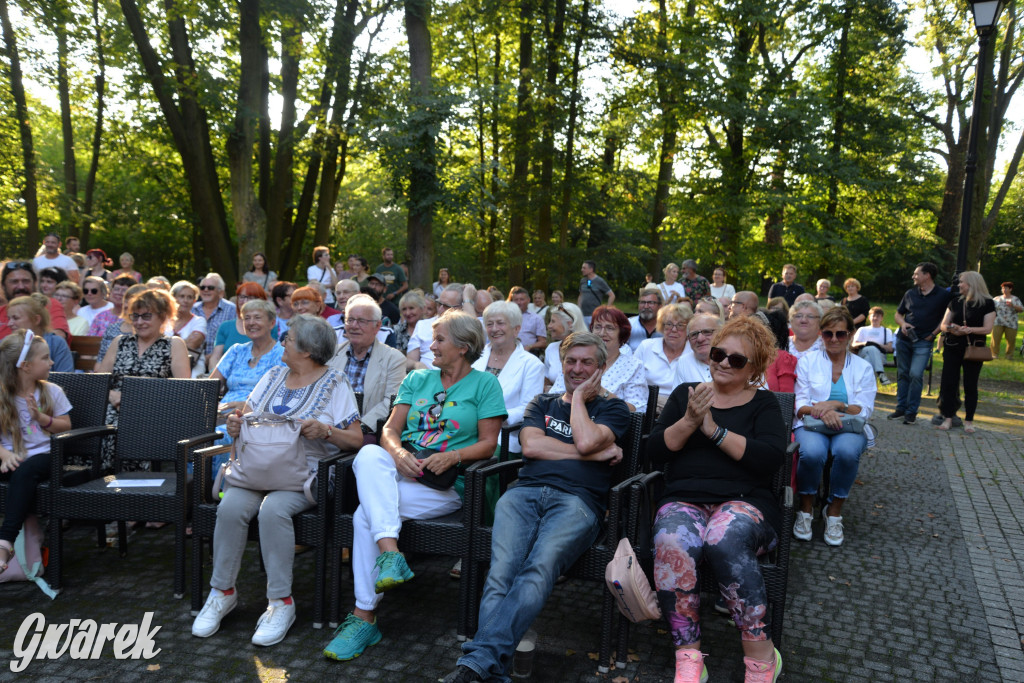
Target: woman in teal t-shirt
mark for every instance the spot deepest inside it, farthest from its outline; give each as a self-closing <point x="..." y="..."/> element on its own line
<point x="442" y="419"/>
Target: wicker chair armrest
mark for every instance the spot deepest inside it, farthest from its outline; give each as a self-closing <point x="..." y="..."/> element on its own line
<point x="84" y="433"/>
<point x="186" y="445"/>
<point x="59" y="441"/>
<point x="491" y="467"/>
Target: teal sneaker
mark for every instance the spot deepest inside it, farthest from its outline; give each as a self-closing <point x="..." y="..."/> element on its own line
<point x="392" y="571"/>
<point x="351" y="638"/>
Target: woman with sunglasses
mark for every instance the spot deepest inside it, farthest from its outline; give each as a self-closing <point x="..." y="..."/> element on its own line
<point x="719" y="443"/>
<point x="968" y="320"/>
<point x="443" y="418"/>
<point x="830" y="384"/>
<point x="96" y="264"/>
<point x="94" y="290"/>
<point x="147" y="352"/>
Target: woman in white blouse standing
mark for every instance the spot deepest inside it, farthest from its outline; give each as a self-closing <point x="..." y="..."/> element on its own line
<point x="720" y="289"/>
<point x="829" y="385"/>
<point x="323" y="272"/>
<point x="671" y="289"/>
<point x="624" y="376"/>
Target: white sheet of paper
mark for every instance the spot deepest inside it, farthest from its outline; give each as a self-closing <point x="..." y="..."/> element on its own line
<point x="134" y="483"/>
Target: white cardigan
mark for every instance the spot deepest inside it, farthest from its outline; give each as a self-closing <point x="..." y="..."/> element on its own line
<point x="814" y="382"/>
<point x="521" y="380"/>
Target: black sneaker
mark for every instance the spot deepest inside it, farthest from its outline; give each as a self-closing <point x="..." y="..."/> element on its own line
<point x="462" y="674"/>
<point x="910" y="418"/>
<point x="897" y="414"/>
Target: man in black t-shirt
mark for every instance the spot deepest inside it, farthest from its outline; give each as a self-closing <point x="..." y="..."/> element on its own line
<point x="787" y="288"/>
<point x="553" y="513"/>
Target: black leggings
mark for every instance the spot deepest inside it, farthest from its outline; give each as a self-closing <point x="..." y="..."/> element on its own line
<point x="21" y="493"/>
<point x="949" y="391"/>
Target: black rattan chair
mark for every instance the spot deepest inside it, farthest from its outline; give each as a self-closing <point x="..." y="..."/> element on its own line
<point x="590" y="566"/>
<point x="160" y="421"/>
<point x="312" y="527"/>
<point x="774" y="565"/>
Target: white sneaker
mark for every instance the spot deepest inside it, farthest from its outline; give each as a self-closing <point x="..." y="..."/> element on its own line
<point x="216" y="608"/>
<point x="274" y="624"/>
<point x="833" y="529"/>
<point x="802" y="526"/>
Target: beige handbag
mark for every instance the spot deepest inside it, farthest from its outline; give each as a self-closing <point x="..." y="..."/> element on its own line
<point x="629" y="585"/>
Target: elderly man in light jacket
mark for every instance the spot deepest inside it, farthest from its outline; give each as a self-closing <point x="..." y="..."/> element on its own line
<point x="374" y="369"/>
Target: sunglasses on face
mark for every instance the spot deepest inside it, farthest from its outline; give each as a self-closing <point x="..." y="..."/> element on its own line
<point x="841" y="335"/>
<point x="207" y="288"/>
<point x="91" y="291"/>
<point x="737" y="361"/>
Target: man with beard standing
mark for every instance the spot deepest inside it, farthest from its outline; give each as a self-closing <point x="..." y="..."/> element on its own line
<point x="19" y="279"/>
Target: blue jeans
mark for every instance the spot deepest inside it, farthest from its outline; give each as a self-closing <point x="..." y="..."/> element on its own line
<point x="814" y="449"/>
<point x="539" y="532"/>
<point x="911" y="360"/>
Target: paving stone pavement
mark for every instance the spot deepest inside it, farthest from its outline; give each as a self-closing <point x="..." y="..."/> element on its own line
<point x="929" y="586"/>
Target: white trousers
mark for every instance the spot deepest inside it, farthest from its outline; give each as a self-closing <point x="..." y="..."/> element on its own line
<point x="385" y="499"/>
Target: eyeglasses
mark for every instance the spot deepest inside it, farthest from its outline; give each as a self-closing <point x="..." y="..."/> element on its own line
<point x="674" y="326"/>
<point x="207" y="288"/>
<point x="841" y="335"/>
<point x="737" y="361"/>
<point x="90" y="291"/>
<point x="441" y="304"/>
<point x="598" y="329"/>
<point x="358" y="322"/>
<point x="63" y="296"/>
<point x="652" y="302"/>
<point x="144" y="317"/>
<point x="440" y="397"/>
<point x="692" y="336"/>
<point x="805" y="316"/>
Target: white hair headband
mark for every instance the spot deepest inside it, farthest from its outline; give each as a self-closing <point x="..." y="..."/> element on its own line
<point x="29" y="336"/>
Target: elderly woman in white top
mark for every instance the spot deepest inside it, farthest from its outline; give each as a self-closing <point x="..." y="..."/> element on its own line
<point x="624" y="375"/>
<point x="695" y="367"/>
<point x="519" y="372"/>
<point x="660" y="355"/>
<point x="804" y="320"/>
<point x="830" y="384"/>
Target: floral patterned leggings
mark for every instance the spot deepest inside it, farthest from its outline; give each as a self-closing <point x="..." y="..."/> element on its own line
<point x="729" y="536"/>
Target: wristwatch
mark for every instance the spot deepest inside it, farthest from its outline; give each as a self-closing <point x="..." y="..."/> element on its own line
<point x="843" y="408"/>
<point x="330" y="430"/>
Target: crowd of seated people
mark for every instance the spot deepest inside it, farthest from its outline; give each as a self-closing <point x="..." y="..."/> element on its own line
<point x="458" y="362"/>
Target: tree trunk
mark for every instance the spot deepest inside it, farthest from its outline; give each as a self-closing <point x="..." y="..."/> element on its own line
<point x="191" y="133"/>
<point x="669" y="129"/>
<point x="69" y="208"/>
<point x="250" y="220"/>
<point x="522" y="138"/>
<point x="570" y="136"/>
<point x="555" y="36"/>
<point x="948" y="225"/>
<point x="97" y="131"/>
<point x="490" y="257"/>
<point x="838" y="117"/>
<point x="279" y="197"/>
<point x="423" y="186"/>
<point x="28" y="154"/>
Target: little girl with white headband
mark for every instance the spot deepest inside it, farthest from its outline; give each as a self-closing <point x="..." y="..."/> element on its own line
<point x="31" y="409"/>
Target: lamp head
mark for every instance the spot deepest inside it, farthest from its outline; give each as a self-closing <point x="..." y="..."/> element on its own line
<point x="985" y="12"/>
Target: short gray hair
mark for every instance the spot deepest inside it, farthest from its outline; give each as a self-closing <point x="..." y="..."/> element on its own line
<point x="583" y="339"/>
<point x="99" y="282"/>
<point x="455" y="287"/>
<point x="343" y="285"/>
<point x="313" y="335"/>
<point x="183" y="284"/>
<point x="801" y="305"/>
<point x="253" y="305"/>
<point x="465" y="331"/>
<point x="513" y="316"/>
<point x="363" y="300"/>
<point x="652" y="289"/>
<point x="218" y="281"/>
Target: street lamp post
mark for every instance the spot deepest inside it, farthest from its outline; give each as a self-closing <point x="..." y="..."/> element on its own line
<point x="986" y="12"/>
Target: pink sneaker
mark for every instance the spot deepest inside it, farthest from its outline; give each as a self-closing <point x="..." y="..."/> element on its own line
<point x="762" y="672"/>
<point x="690" y="666"/>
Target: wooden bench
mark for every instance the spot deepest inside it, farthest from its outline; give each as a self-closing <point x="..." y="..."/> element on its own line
<point x="86" y="351"/>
